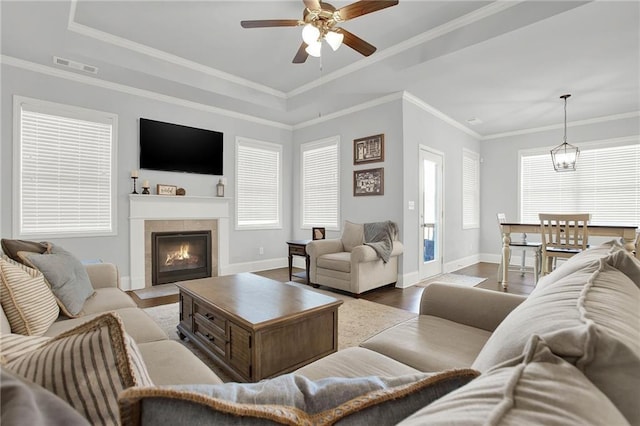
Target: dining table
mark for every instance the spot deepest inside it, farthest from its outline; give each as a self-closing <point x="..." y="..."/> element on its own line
<point x="628" y="235"/>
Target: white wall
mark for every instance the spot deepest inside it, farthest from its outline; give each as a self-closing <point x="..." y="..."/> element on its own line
<point x="500" y="170"/>
<point x="423" y="128"/>
<point x="243" y="250"/>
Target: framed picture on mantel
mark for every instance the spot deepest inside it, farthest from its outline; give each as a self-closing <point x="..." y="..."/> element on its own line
<point x="368" y="150"/>
<point x="166" y="189"/>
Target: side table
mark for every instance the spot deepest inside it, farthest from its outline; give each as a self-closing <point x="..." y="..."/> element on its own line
<point x="299" y="248"/>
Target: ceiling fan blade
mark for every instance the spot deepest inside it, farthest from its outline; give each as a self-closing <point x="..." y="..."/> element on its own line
<point x="312" y="4"/>
<point x="363" y="7"/>
<point x="356" y="43"/>
<point x="301" y="55"/>
<point x="270" y="23"/>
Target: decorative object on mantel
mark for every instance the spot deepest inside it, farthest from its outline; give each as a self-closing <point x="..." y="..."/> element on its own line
<point x="368" y="150"/>
<point x="145" y="187"/>
<point x="166" y="189"/>
<point x="565" y="155"/>
<point x="220" y="187"/>
<point x="368" y="182"/>
<point x="181" y="191"/>
<point x="134" y="176"/>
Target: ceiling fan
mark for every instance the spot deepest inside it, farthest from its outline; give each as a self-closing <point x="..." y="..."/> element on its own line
<point x="320" y="21"/>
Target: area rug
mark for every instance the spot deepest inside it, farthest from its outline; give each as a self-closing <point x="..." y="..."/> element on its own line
<point x="466" y="280"/>
<point x="358" y="320"/>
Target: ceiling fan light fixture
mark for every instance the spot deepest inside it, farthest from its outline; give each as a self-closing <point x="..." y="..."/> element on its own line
<point x="310" y="34"/>
<point x="334" y="39"/>
<point x="314" y="49"/>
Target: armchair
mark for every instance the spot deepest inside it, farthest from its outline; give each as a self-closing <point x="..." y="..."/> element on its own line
<point x="348" y="264"/>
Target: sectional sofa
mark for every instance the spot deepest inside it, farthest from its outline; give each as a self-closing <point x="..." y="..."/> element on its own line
<point x="567" y="354"/>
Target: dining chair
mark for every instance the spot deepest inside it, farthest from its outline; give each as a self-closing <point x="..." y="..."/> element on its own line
<point x="563" y="235"/>
<point x="523" y="245"/>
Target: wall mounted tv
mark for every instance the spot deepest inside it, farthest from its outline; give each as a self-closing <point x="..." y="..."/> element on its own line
<point x="175" y="148"/>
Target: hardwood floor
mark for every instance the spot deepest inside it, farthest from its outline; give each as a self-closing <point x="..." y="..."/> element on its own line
<point x="402" y="298"/>
<point x="409" y="298"/>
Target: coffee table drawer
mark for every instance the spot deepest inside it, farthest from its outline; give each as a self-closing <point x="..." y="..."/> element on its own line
<point x="210" y="336"/>
<point x="214" y="319"/>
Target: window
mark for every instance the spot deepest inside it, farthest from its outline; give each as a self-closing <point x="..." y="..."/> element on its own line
<point x="320" y="183"/>
<point x="470" y="189"/>
<point x="258" y="184"/>
<point x="64" y="163"/>
<point x="606" y="184"/>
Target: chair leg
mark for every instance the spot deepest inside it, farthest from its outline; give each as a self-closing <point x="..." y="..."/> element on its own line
<point x="522" y="263"/>
<point x="536" y="266"/>
<point x="500" y="270"/>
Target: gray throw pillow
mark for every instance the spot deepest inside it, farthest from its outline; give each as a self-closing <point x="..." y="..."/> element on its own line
<point x="66" y="276"/>
<point x="291" y="399"/>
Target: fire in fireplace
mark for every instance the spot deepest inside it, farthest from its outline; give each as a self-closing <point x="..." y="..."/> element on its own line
<point x="180" y="256"/>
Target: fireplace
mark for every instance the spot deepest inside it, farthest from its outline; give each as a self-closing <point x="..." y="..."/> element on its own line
<point x="180" y="256"/>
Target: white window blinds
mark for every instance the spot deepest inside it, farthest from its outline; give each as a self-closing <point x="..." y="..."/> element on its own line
<point x="606" y="184"/>
<point x="65" y="170"/>
<point x="258" y="184"/>
<point x="470" y="189"/>
<point x="320" y="183"/>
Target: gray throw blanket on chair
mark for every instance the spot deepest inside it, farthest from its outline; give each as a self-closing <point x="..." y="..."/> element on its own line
<point x="380" y="236"/>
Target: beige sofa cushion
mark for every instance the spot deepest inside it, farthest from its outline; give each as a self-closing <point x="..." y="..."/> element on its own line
<point x="590" y="318"/>
<point x="430" y="343"/>
<point x="136" y="322"/>
<point x="26" y="299"/>
<point x="162" y="356"/>
<point x="537" y="388"/>
<point x="335" y="261"/>
<point x="355" y="362"/>
<point x="107" y="299"/>
<point x="352" y="235"/>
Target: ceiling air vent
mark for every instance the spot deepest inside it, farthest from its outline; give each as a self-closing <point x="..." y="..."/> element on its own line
<point x="75" y="65"/>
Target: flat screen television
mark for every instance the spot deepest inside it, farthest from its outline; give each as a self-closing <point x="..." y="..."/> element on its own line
<point x="175" y="148"/>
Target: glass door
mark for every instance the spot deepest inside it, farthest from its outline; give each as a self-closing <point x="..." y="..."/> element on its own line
<point x="431" y="235"/>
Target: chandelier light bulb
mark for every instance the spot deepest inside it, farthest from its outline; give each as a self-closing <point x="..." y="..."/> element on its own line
<point x="334" y="39"/>
<point x="314" y="49"/>
<point x="310" y="34"/>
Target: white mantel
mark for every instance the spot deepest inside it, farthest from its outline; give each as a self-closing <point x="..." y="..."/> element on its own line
<point x="164" y="207"/>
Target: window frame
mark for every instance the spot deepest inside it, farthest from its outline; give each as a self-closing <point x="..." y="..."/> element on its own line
<point x="475" y="157"/>
<point x="73" y="112"/>
<point x="583" y="146"/>
<point x="264" y="145"/>
<point x="307" y="146"/>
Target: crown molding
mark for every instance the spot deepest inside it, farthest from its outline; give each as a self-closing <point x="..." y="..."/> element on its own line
<point x="439" y="114"/>
<point x="130" y="90"/>
<point x="85" y="30"/>
<point x="360" y="107"/>
<point x="462" y="21"/>
<point x="586" y="122"/>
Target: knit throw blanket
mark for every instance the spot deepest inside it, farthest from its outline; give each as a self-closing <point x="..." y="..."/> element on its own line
<point x="380" y="236"/>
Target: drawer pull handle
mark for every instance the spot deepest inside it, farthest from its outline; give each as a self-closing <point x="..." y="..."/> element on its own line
<point x="211" y="338"/>
<point x="208" y="316"/>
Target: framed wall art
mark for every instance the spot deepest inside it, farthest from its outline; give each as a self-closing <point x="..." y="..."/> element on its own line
<point x="368" y="182"/>
<point x="166" y="189"/>
<point x="368" y="150"/>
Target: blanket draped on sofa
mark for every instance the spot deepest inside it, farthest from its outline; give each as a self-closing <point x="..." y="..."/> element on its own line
<point x="380" y="236"/>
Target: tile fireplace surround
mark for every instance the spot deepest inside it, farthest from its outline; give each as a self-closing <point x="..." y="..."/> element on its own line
<point x="147" y="212"/>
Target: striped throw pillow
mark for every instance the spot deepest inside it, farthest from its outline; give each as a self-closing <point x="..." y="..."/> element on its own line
<point x="13" y="346"/>
<point x="27" y="301"/>
<point x="88" y="367"/>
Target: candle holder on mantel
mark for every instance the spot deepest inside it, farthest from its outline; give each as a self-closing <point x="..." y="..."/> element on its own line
<point x="145" y="190"/>
<point x="134" y="184"/>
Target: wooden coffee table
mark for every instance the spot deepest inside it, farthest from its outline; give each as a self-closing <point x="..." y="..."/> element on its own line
<point x="255" y="327"/>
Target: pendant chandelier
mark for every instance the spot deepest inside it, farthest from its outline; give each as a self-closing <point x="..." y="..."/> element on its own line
<point x="565" y="155"/>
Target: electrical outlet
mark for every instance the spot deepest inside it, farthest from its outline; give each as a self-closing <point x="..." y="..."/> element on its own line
<point x="261" y="250"/>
